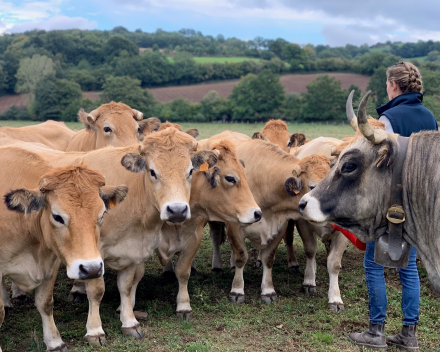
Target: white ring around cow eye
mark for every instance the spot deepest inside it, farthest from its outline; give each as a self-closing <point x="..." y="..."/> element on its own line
<point x="107" y="129"/>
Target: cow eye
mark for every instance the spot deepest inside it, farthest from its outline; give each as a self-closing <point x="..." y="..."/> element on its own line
<point x="312" y="187"/>
<point x="139" y="130"/>
<point x="191" y="172"/>
<point x="58" y="218"/>
<point x="153" y="174"/>
<point x="230" y="179"/>
<point x="101" y="219"/>
<point x="107" y="129"/>
<point x="348" y="167"/>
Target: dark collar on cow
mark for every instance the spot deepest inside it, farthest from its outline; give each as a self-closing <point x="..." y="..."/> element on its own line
<point x="405" y="98"/>
<point x="391" y="250"/>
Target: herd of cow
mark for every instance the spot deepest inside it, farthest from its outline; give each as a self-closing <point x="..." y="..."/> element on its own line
<point x="125" y="188"/>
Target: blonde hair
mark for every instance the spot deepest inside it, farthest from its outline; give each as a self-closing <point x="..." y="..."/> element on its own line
<point x="407" y="76"/>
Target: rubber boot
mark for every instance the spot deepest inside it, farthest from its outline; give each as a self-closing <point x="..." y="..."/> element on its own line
<point x="374" y="337"/>
<point x="406" y="339"/>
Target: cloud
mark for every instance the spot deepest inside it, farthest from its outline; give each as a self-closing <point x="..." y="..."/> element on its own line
<point x="58" y="22"/>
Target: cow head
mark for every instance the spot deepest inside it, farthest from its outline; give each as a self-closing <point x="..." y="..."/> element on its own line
<point x="275" y="131"/>
<point x="168" y="159"/>
<point x="193" y="132"/>
<point x="70" y="202"/>
<point x="117" y="124"/>
<point x="356" y="192"/>
<point x="222" y="191"/>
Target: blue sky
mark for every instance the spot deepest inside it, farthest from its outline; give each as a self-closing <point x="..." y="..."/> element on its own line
<point x="333" y="22"/>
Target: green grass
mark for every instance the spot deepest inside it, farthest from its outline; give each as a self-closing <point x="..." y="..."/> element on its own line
<point x="298" y="322"/>
<point x="219" y="59"/>
<point x="311" y="130"/>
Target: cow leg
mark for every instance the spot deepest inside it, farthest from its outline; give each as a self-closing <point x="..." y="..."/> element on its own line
<point x="78" y="292"/>
<point x="7" y="304"/>
<point x="139" y="274"/>
<point x="18" y="296"/>
<point x="95" y="289"/>
<point x="2" y="308"/>
<point x="236" y="238"/>
<point x="217" y="232"/>
<point x="183" y="272"/>
<point x="337" y="248"/>
<point x="308" y="238"/>
<point x="268" y="293"/>
<point x="44" y="304"/>
<point x="259" y="263"/>
<point x="130" y="326"/>
<point x="292" y="262"/>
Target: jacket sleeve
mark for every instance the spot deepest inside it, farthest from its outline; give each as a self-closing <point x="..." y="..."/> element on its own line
<point x="388" y="126"/>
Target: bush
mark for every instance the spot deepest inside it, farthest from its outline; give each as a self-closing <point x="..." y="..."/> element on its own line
<point x="15" y="113"/>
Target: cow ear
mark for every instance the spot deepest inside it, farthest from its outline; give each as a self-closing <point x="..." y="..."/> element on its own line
<point x="24" y="200"/>
<point x="293" y="186"/>
<point x="204" y="157"/>
<point x="297" y="171"/>
<point x="134" y="162"/>
<point x="193" y="132"/>
<point x="149" y="125"/>
<point x="213" y="176"/>
<point x="296" y="140"/>
<point x="385" y="154"/>
<point x="82" y="117"/>
<point x="113" y="195"/>
<point x="258" y="135"/>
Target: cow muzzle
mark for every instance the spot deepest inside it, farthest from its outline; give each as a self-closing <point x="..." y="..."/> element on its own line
<point x="175" y="213"/>
<point x="251" y="216"/>
<point x="85" y="269"/>
<point x="310" y="209"/>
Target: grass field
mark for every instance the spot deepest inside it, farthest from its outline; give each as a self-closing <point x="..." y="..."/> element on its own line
<point x="298" y="322"/>
<point x="219" y="59"/>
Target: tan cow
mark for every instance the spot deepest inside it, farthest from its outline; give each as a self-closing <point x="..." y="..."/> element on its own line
<point x="114" y="124"/>
<point x="276" y="179"/>
<point x="193" y="132"/>
<point x="50" y="215"/>
<point x="275" y="131"/>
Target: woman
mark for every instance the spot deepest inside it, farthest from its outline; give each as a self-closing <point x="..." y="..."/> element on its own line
<point x="403" y="114"/>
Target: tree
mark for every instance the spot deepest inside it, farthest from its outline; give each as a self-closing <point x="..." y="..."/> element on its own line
<point x="256" y="97"/>
<point x="324" y="100"/>
<point x="128" y="91"/>
<point x="214" y="107"/>
<point x="185" y="68"/>
<point x="377" y="84"/>
<point x="431" y="81"/>
<point x="433" y="104"/>
<point x="46" y="100"/>
<point x="31" y="71"/>
<point x="116" y="44"/>
<point x="433" y="56"/>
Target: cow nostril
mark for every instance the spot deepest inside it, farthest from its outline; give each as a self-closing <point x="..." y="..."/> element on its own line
<point x="169" y="210"/>
<point x="177" y="212"/>
<point x="82" y="270"/>
<point x="302" y="205"/>
<point x="257" y="215"/>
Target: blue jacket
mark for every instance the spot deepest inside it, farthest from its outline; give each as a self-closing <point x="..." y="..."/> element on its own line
<point x="407" y="115"/>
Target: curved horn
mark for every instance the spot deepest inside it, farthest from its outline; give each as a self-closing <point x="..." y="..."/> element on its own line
<point x="351" y="116"/>
<point x="137" y="114"/>
<point x="374" y="136"/>
<point x="92" y="116"/>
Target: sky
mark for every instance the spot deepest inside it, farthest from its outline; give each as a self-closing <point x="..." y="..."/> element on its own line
<point x="328" y="22"/>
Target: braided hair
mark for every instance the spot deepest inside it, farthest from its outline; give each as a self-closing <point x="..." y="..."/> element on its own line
<point x="407" y="76"/>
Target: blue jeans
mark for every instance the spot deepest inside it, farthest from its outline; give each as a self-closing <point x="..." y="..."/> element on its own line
<point x="377" y="296"/>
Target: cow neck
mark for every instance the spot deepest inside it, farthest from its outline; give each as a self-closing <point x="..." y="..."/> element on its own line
<point x="396" y="213"/>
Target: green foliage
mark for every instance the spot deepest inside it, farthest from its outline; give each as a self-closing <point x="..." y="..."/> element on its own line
<point x="256" y="97"/>
<point x="431" y="81"/>
<point x="185" y="67"/>
<point x="214" y="107"/>
<point x="433" y="104"/>
<point x="128" y="91"/>
<point x="88" y="80"/>
<point x="378" y="87"/>
<point x="15" y="113"/>
<point x="116" y="44"/>
<point x="32" y="70"/>
<point x="181" y="110"/>
<point x="324" y="100"/>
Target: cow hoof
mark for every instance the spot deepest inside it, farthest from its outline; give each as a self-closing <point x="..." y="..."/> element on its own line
<point x="268" y="299"/>
<point x="295" y="270"/>
<point x="258" y="264"/>
<point x="184" y="315"/>
<point x="19" y="300"/>
<point x="140" y="315"/>
<point x="169" y="276"/>
<point x="309" y="290"/>
<point x="236" y="298"/>
<point x="77" y="297"/>
<point x="98" y="340"/>
<point x="336" y="307"/>
<point x="61" y="348"/>
<point x="233" y="270"/>
<point x="134" y="331"/>
<point x="217" y="271"/>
